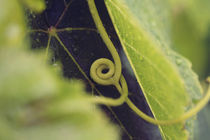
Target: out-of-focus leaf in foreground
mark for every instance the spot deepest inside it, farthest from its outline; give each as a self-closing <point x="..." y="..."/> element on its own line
<point x="12" y="24"/>
<point x="35" y="102"/>
<point x="35" y="5"/>
<point x="166" y="78"/>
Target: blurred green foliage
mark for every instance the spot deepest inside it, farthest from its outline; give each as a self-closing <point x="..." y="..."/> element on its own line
<point x="190" y="32"/>
<point x="35" y="101"/>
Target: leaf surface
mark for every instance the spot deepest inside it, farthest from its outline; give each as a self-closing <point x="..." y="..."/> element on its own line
<point x="168" y="84"/>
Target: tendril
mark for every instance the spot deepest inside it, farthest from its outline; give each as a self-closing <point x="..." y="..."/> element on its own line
<point x="123" y="89"/>
<point x="100" y="77"/>
<point x="113" y="76"/>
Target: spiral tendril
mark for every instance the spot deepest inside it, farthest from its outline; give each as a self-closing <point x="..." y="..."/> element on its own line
<point x="97" y="74"/>
<point x="108" y="78"/>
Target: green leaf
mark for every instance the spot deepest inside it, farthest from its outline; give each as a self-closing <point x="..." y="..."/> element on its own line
<point x="166" y="78"/>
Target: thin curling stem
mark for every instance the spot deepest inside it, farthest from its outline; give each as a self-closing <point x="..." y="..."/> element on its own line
<point x="182" y="118"/>
<point x="114" y="74"/>
<point x="106" y="39"/>
<point x="115" y="102"/>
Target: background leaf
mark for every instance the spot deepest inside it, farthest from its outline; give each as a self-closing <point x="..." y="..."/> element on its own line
<point x="190" y="32"/>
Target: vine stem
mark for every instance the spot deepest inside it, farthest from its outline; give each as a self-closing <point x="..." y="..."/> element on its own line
<point x="114" y="102"/>
<point x="118" y="72"/>
<point x="201" y="104"/>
